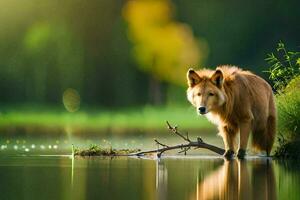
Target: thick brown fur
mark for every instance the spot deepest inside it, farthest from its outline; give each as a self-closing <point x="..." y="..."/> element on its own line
<point x="238" y="102"/>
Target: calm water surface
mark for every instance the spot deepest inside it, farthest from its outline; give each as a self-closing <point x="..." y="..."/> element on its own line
<point x="52" y="174"/>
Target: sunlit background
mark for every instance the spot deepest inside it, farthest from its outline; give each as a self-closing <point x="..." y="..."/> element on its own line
<point x="106" y="68"/>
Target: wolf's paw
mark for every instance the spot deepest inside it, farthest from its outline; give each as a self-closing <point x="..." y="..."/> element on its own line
<point x="241" y="154"/>
<point x="229" y="154"/>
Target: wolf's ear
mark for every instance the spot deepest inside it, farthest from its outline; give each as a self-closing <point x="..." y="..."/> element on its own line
<point x="217" y="78"/>
<point x="192" y="77"/>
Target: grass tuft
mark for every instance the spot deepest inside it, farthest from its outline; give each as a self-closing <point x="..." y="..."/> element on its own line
<point x="95" y="150"/>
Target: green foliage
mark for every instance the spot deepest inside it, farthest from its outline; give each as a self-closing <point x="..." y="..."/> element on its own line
<point x="285" y="75"/>
<point x="285" y="65"/>
<point x="288" y="104"/>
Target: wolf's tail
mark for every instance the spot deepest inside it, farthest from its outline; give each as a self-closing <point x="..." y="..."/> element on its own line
<point x="270" y="133"/>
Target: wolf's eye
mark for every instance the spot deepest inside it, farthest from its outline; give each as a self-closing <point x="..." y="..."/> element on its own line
<point x="211" y="94"/>
<point x="198" y="94"/>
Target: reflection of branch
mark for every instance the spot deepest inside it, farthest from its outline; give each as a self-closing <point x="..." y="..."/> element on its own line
<point x="184" y="147"/>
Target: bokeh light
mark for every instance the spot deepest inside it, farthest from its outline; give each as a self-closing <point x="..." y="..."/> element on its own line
<point x="71" y="100"/>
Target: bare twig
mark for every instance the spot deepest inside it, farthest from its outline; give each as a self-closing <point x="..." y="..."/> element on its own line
<point x="161" y="144"/>
<point x="184" y="150"/>
<point x="184" y="147"/>
<point x="175" y="131"/>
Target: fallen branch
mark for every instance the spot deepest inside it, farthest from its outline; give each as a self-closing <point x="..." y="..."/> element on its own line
<point x="184" y="147"/>
<point x="199" y="143"/>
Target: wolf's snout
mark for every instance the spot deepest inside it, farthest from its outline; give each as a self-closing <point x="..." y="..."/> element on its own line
<point x="202" y="110"/>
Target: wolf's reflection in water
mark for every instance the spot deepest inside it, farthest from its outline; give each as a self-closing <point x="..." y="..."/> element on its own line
<point x="239" y="180"/>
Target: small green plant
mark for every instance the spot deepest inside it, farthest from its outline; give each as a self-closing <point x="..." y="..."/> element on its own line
<point x="288" y="104"/>
<point x="95" y="150"/>
<point x="284" y="72"/>
<point x="285" y="65"/>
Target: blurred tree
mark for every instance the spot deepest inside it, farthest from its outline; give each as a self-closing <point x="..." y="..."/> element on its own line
<point x="54" y="58"/>
<point x="110" y="76"/>
<point x="162" y="47"/>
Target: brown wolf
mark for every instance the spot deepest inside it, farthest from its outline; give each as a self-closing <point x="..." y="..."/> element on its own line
<point x="238" y="102"/>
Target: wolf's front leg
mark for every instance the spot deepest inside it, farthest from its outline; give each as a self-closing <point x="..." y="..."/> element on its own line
<point x="228" y="134"/>
<point x="245" y="128"/>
